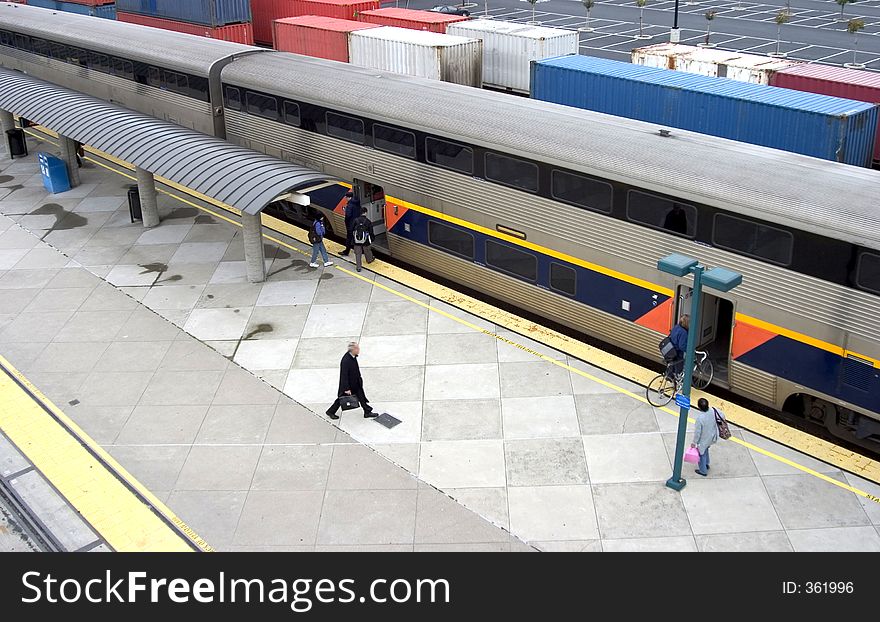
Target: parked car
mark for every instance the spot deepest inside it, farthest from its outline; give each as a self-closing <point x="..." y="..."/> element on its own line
<point x="450" y="9"/>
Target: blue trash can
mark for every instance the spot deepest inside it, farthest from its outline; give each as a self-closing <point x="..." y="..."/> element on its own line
<point x="54" y="172"/>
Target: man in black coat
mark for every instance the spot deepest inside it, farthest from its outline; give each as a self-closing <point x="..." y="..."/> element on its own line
<point x="352" y="211"/>
<point x="351" y="382"/>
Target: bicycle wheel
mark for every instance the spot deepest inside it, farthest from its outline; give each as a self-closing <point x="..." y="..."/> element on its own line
<point x="704" y="371"/>
<point x="660" y="391"/>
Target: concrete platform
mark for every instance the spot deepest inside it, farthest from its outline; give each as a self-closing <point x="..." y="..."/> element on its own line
<point x="205" y="387"/>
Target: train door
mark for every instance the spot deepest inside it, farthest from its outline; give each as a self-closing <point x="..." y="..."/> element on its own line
<point x="715" y="331"/>
<point x="373" y="198"/>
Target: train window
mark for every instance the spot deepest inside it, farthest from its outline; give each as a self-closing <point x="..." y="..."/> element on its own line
<point x="154" y="77"/>
<point x="23" y="42"/>
<point x="261" y="105"/>
<point x="40" y="46"/>
<point x="395" y="141"/>
<point x="345" y="127"/>
<point x="6" y="38"/>
<point x="512" y="260"/>
<point x="122" y="68"/>
<point x="450" y="155"/>
<point x="77" y="56"/>
<point x="512" y="172"/>
<point x="291" y="113"/>
<point x="58" y="51"/>
<point x="753" y="239"/>
<point x="868" y="273"/>
<point x="563" y="279"/>
<point x="99" y="62"/>
<point x="660" y="213"/>
<point x="581" y="191"/>
<point x="197" y="87"/>
<point x="233" y="98"/>
<point x="452" y="240"/>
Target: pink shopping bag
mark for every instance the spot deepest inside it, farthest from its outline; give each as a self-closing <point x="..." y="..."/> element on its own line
<point x="692" y="455"/>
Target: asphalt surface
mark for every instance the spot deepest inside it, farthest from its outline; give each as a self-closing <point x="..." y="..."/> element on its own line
<point x="813" y="33"/>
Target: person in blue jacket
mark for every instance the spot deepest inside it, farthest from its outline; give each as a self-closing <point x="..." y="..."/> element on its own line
<point x="679" y="339"/>
<point x="352" y="213"/>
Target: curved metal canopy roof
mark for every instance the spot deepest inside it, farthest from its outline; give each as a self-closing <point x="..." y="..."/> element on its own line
<point x="242" y="178"/>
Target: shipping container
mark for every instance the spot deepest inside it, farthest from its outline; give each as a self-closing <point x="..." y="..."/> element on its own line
<point x="863" y="86"/>
<point x="86" y="2"/>
<point x="409" y="18"/>
<point x="753" y="68"/>
<point x="205" y="12"/>
<point x="816" y="125"/>
<point x="267" y="11"/>
<point x="509" y="48"/>
<point x="418" y="53"/>
<point x="237" y="33"/>
<point x="106" y="11"/>
<point x="312" y="35"/>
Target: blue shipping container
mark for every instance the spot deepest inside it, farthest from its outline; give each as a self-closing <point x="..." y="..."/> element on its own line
<point x="107" y="11"/>
<point x="816" y="125"/>
<point x="205" y="12"/>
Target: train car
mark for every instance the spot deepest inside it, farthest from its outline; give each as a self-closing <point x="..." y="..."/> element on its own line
<point x="169" y="75"/>
<point x="564" y="213"/>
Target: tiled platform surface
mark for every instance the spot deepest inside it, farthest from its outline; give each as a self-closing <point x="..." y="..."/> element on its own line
<point x="559" y="460"/>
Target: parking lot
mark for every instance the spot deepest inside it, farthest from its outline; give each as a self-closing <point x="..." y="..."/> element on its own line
<point x="814" y="32"/>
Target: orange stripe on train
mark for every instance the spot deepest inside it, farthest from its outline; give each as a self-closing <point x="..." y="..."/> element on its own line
<point x="393" y="213"/>
<point x="747" y="337"/>
<point x="659" y="318"/>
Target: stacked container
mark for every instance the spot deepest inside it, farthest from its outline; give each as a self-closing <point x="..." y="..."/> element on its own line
<point x="311" y="35"/>
<point x="267" y="11"/>
<point x="419" y="53"/>
<point x="509" y="48"/>
<point x="816" y="125"/>
<point x="95" y="8"/>
<point x="408" y="18"/>
<point x="237" y="33"/>
<point x="753" y="68"/>
<point x="863" y="86"/>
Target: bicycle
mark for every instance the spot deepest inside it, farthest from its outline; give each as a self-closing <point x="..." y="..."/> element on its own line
<point x="662" y="389"/>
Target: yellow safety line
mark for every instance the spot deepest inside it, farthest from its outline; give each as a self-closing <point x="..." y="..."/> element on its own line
<point x="796" y="439"/>
<point x="111" y="508"/>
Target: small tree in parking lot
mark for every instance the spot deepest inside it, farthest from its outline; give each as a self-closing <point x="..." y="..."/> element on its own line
<point x="853" y="27"/>
<point x="843" y="4"/>
<point x="533" y="3"/>
<point x="588" y="5"/>
<point x="710" y="15"/>
<point x="781" y="18"/>
<point x="641" y="4"/>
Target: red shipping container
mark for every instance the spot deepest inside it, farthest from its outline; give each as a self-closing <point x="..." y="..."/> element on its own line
<point x="267" y="11"/>
<point x="863" y="86"/>
<point x="237" y="33"/>
<point x="313" y="35"/>
<point x="409" y="18"/>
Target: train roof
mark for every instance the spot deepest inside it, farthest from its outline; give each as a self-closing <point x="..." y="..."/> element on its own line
<point x="802" y="192"/>
<point x="173" y="50"/>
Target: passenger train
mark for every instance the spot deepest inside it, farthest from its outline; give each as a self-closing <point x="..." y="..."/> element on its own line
<point x="558" y="211"/>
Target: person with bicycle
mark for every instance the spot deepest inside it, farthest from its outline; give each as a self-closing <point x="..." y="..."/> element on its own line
<point x="679" y="339"/>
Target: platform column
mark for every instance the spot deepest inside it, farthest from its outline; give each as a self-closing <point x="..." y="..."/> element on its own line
<point x="147" y="192"/>
<point x="254" y="256"/>
<point x="7" y="122"/>
<point x="68" y="154"/>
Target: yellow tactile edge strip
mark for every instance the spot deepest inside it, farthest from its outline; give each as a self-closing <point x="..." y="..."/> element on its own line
<point x="66" y="456"/>
<point x="798" y="440"/>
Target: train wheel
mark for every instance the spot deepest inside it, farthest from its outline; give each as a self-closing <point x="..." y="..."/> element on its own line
<point x="660" y="391"/>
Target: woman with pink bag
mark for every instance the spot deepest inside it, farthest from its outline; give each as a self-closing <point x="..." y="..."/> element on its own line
<point x="705" y="434"/>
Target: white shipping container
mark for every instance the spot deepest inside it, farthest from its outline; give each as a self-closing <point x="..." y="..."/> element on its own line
<point x="753" y="68"/>
<point x="418" y="53"/>
<point x="509" y="48"/>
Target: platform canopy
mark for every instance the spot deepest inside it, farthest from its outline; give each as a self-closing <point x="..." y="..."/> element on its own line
<point x="241" y="178"/>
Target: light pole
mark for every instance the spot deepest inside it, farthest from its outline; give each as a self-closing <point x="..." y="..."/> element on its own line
<point x="722" y="280"/>
<point x="675" y="33"/>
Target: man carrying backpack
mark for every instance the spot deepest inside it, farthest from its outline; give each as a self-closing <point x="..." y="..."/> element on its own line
<point x="679" y="339"/>
<point x="352" y="211"/>
<point x="362" y="237"/>
<point x="316" y="236"/>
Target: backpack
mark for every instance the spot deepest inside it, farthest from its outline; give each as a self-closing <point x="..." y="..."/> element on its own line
<point x="361" y="234"/>
<point x="667" y="350"/>
<point x="315" y="235"/>
<point x="721" y="422"/>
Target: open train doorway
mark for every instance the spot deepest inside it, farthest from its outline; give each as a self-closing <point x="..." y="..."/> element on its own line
<point x="373" y="198"/>
<point x="715" y="330"/>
